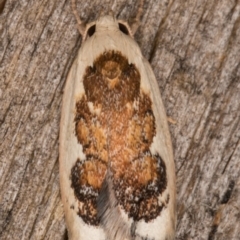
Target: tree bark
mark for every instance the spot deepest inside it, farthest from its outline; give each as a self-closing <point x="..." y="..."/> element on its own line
<point x="194" y="49"/>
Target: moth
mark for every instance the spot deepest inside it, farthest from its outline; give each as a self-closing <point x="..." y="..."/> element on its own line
<point x="117" y="173"/>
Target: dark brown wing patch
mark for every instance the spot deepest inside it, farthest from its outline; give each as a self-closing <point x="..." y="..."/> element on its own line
<point x="117" y="138"/>
<point x="112" y="82"/>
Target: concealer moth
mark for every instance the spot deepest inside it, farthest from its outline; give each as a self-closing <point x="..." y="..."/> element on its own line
<point x="117" y="173"/>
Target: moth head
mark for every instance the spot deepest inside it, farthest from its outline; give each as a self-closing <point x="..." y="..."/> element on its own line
<point x="107" y="23"/>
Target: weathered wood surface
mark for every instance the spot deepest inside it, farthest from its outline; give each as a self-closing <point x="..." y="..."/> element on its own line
<point x="194" y="49"/>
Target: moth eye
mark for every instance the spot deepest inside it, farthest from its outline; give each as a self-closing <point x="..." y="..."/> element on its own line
<point x="91" y="30"/>
<point x="123" y="28"/>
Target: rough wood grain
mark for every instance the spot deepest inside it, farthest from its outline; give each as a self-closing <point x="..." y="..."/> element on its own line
<point x="194" y="49"/>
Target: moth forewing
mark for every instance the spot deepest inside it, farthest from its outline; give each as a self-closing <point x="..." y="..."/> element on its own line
<point x="117" y="171"/>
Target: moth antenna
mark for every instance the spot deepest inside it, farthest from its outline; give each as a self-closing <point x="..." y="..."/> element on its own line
<point x="136" y="22"/>
<point x="110" y="10"/>
<point x="80" y="25"/>
<point x="113" y="5"/>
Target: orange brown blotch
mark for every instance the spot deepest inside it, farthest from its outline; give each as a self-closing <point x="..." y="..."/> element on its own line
<point x="82" y="132"/>
<point x="93" y="173"/>
<point x="111" y="69"/>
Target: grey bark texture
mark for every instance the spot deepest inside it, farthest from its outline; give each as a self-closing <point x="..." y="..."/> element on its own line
<point x="194" y="49"/>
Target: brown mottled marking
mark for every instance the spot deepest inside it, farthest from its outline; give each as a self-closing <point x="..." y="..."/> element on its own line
<point x="118" y="139"/>
<point x="139" y="187"/>
<point x="89" y="131"/>
<point x="111" y="83"/>
<point x="86" y="184"/>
